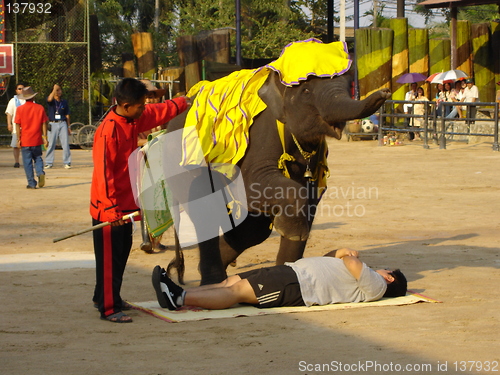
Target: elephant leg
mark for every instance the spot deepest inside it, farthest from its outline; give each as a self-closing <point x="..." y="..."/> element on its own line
<point x="290" y="251"/>
<point x="227" y="253"/>
<point x="252" y="231"/>
<point x="211" y="268"/>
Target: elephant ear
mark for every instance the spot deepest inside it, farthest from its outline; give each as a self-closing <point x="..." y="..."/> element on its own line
<point x="271" y="93"/>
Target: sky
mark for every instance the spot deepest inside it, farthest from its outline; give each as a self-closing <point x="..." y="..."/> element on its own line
<point x="390" y="8"/>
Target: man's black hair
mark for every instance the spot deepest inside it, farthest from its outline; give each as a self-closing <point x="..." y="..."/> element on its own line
<point x="130" y="90"/>
<point x="398" y="287"/>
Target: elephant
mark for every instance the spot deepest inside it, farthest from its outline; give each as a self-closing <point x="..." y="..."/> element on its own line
<point x="310" y="111"/>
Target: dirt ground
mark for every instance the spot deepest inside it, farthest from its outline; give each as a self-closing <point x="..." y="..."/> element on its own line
<point x="433" y="213"/>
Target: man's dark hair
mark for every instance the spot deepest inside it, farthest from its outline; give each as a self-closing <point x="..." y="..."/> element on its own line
<point x="398" y="287"/>
<point x="130" y="90"/>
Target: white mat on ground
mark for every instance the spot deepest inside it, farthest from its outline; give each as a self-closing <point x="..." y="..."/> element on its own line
<point x="189" y="313"/>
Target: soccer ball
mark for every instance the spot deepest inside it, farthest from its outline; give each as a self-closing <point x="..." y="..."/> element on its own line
<point x="367" y="126"/>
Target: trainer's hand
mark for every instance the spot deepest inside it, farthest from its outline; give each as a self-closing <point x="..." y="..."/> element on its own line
<point x="117" y="223"/>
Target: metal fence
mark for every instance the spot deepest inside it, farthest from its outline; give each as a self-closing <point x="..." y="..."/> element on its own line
<point x="52" y="47"/>
<point x="439" y="128"/>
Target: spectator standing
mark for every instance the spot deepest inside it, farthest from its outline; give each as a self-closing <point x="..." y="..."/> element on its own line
<point x="410" y="95"/>
<point x="31" y="128"/>
<point x="419" y="109"/>
<point x="11" y="114"/>
<point x="59" y="120"/>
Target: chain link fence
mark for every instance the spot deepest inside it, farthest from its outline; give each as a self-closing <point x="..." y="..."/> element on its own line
<point x="51" y="45"/>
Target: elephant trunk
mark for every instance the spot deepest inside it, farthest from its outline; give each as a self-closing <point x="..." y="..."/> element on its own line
<point x="346" y="108"/>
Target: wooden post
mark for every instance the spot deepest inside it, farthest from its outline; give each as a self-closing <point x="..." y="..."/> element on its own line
<point x="188" y="58"/>
<point x="453" y="26"/>
<point x="439" y="55"/>
<point x="400" y="61"/>
<point x="95" y="45"/>
<point x="495" y="47"/>
<point x="464" y="50"/>
<point x="418" y="44"/>
<point x="374" y="61"/>
<point x="128" y="65"/>
<point x="143" y="50"/>
<point x="483" y="63"/>
<point x="214" y="46"/>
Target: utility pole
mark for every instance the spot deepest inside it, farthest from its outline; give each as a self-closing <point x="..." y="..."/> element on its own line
<point x="342" y="21"/>
<point x="157" y="16"/>
<point x="238" y="33"/>
<point x="400" y="13"/>
<point x="375" y="12"/>
<point x="355" y="62"/>
<point x="329" y="20"/>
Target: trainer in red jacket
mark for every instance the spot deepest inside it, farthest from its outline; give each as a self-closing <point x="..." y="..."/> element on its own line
<point x="111" y="194"/>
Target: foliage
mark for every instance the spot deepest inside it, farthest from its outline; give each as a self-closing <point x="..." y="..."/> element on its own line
<point x="474" y="14"/>
<point x="429" y="14"/>
<point x="382" y="21"/>
<point x="479" y="13"/>
<point x="267" y="25"/>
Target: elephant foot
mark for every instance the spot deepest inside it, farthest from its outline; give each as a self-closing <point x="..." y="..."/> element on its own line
<point x="292" y="237"/>
<point x="213" y="279"/>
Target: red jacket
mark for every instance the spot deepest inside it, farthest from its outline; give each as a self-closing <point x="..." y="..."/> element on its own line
<point x="115" y="139"/>
<point x="30" y="119"/>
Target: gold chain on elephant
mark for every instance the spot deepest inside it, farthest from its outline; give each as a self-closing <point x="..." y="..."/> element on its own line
<point x="307" y="156"/>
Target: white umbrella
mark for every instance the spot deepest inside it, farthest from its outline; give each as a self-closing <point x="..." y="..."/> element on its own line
<point x="450" y="75"/>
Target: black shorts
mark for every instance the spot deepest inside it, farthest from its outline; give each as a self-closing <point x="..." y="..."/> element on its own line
<point x="275" y="286"/>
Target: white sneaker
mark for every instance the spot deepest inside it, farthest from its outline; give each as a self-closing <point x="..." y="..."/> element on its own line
<point x="48" y="166"/>
<point x="67" y="166"/>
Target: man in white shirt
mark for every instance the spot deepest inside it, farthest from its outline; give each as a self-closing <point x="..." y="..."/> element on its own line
<point x="471" y="95"/>
<point x="337" y="277"/>
<point x="11" y="115"/>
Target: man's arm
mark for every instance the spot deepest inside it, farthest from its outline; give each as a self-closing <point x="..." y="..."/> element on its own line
<point x="340" y="253"/>
<point x="18" y="131"/>
<point x="9" y="122"/>
<point x="353" y="265"/>
<point x="350" y="258"/>
<point x="51" y="95"/>
<point x="44" y="134"/>
<point x="68" y="121"/>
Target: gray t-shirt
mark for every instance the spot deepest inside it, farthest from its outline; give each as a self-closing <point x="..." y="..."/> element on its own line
<point x="326" y="280"/>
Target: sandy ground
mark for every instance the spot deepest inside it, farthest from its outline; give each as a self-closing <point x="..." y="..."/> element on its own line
<point x="433" y="213"/>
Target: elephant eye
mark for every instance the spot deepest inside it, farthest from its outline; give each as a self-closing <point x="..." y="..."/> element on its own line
<point x="306" y="91"/>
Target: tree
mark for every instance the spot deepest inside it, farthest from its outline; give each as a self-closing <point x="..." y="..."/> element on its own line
<point x="267" y="25"/>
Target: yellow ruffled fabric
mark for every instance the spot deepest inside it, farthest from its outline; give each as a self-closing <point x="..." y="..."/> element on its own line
<point x="299" y="60"/>
<point x="218" y="123"/>
<point x="220" y="118"/>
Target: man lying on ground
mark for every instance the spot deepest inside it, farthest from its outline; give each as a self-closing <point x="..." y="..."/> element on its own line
<point x="337" y="277"/>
